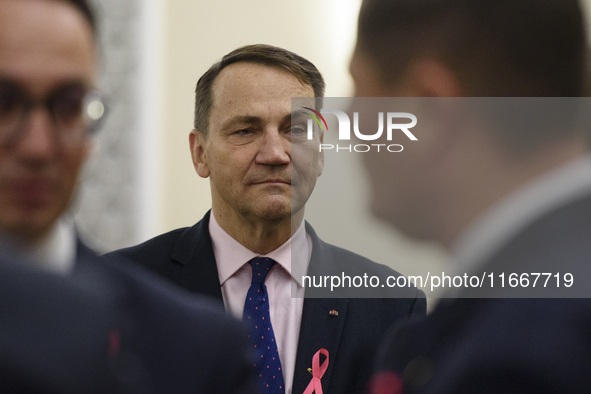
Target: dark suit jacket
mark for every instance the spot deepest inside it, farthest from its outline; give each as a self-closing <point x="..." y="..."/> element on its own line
<point x="111" y="327"/>
<point x="504" y="345"/>
<point x="54" y="334"/>
<point x="186" y="257"/>
<point x="170" y="341"/>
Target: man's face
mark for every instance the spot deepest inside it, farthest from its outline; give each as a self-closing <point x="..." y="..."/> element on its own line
<point x="249" y="148"/>
<point x="400" y="186"/>
<point x="45" y="47"/>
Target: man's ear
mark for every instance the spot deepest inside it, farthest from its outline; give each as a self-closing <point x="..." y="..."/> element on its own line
<point x="430" y="77"/>
<point x="198" y="154"/>
<point x="433" y="78"/>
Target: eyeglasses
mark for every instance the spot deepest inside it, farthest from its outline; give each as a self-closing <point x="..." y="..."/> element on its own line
<point x="75" y="110"/>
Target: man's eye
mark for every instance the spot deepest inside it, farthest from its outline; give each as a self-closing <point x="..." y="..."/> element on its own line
<point x="10" y="105"/>
<point x="298" y="130"/>
<point x="68" y="107"/>
<point x="298" y="133"/>
<point x="244" y="132"/>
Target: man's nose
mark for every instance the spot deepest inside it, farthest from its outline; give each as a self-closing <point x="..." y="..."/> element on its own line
<point x="274" y="148"/>
<point x="39" y="137"/>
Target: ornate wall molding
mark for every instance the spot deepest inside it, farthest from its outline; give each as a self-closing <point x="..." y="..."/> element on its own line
<point x="106" y="208"/>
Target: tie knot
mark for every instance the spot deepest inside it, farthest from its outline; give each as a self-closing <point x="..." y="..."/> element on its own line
<point x="260" y="268"/>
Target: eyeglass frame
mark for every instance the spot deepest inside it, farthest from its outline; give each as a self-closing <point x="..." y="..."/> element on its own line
<point x="92" y="96"/>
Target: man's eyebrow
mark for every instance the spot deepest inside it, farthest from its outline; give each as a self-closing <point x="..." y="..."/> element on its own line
<point x="295" y="115"/>
<point x="248" y="119"/>
<point x="240" y="119"/>
<point x="68" y="84"/>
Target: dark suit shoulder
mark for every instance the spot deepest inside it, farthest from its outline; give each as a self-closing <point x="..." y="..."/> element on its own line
<point x="183" y="256"/>
<point x="358" y="263"/>
<point x="161" y="322"/>
<point x="323" y="252"/>
<point x="155" y="249"/>
<point x="335" y="272"/>
<point x="466" y="347"/>
<point x="54" y="333"/>
<point x="413" y="304"/>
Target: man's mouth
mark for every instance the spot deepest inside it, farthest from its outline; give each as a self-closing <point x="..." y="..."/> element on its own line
<point x="32" y="193"/>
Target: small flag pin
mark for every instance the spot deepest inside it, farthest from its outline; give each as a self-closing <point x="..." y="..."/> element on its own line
<point x="333" y="313"/>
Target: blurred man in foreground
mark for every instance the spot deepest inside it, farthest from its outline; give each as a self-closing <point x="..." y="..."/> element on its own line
<point x="81" y="324"/>
<point x="515" y="202"/>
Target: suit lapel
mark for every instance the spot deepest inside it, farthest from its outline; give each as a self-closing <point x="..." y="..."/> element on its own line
<point x="194" y="251"/>
<point x="319" y="328"/>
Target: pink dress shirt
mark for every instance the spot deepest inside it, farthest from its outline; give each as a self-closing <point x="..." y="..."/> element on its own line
<point x="286" y="312"/>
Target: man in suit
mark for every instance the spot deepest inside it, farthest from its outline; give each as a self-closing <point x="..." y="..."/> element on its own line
<point x="262" y="170"/>
<point x="72" y="322"/>
<point x="501" y="198"/>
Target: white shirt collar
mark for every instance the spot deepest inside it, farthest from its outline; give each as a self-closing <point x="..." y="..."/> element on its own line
<point x="55" y="251"/>
<point x="500" y="223"/>
<point x="231" y="255"/>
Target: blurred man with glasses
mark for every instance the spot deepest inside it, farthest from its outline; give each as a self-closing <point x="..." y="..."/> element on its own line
<point x="47" y="108"/>
<point x="70" y="322"/>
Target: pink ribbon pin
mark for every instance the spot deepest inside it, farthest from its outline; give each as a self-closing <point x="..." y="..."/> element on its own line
<point x="317" y="373"/>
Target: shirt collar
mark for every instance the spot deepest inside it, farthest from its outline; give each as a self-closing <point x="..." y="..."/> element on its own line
<point x="231" y="255"/>
<point x="504" y="220"/>
<point x="55" y="251"/>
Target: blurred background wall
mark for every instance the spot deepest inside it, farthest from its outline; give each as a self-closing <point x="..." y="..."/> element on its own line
<point x="141" y="181"/>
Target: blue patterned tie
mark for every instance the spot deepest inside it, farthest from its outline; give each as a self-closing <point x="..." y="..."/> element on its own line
<point x="256" y="314"/>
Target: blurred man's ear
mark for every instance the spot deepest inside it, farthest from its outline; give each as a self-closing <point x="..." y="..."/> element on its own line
<point x="197" y="144"/>
<point x="429" y="77"/>
<point x="366" y="78"/>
